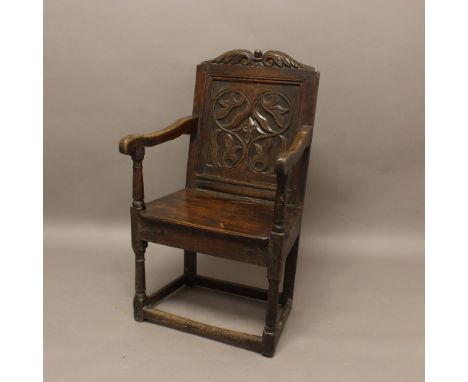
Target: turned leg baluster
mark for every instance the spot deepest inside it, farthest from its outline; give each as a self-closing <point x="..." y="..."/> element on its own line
<point x="139" y="246"/>
<point x="140" y="283"/>
<point x="274" y="268"/>
<point x="271" y="320"/>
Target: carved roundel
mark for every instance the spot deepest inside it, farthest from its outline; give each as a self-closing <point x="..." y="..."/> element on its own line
<point x="230" y="108"/>
<point x="273" y="112"/>
<point x="249" y="131"/>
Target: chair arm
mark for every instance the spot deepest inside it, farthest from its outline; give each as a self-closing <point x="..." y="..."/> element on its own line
<point x="129" y="144"/>
<point x="284" y="163"/>
<point x="288" y="158"/>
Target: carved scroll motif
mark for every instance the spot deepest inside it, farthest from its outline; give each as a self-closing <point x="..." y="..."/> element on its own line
<point x="257" y="58"/>
<point x="251" y="132"/>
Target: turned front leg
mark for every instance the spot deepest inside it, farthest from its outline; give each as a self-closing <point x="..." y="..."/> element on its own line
<point x="140" y="281"/>
<point x="274" y="269"/>
<point x="139" y="246"/>
<point x="271" y="320"/>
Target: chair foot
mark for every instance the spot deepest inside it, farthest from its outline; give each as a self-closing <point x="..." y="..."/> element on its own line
<point x="268" y="344"/>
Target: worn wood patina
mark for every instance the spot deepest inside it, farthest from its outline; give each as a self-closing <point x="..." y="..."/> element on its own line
<point x="250" y="136"/>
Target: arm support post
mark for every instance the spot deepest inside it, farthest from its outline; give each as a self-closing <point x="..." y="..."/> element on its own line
<point x="138" y="190"/>
<point x="284" y="164"/>
<point x="134" y="145"/>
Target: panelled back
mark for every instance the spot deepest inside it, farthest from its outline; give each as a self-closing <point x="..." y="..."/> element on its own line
<point x="250" y="107"/>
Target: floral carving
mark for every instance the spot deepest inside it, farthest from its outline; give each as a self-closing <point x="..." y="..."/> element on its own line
<point x="248" y="131"/>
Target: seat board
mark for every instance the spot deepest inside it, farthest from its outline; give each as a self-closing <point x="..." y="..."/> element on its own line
<point x="215" y="212"/>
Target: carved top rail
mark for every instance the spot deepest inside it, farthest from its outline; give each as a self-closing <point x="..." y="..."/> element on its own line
<point x="271" y="58"/>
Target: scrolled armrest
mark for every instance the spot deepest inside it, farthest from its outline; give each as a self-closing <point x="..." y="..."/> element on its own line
<point x="289" y="157"/>
<point x="129" y="144"/>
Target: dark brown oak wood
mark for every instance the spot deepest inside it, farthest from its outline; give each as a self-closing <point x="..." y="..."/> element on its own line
<point x="190" y="266"/>
<point x="283" y="318"/>
<point x="248" y="341"/>
<point x="216" y="213"/>
<point x="287" y="159"/>
<point x="250" y="137"/>
<point x="129" y="144"/>
<point x="290" y="274"/>
<point x="232" y="288"/>
<point x="166" y="290"/>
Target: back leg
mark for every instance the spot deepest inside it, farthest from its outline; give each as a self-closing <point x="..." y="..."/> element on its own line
<point x="190" y="266"/>
<point x="290" y="274"/>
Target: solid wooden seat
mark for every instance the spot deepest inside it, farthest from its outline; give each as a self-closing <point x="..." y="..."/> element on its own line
<point x="250" y="136"/>
<point x="221" y="214"/>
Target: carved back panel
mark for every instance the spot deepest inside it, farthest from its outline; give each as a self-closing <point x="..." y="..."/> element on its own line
<point x="250" y="106"/>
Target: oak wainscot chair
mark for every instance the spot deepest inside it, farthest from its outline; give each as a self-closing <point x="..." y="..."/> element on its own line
<point x="250" y="136"/>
